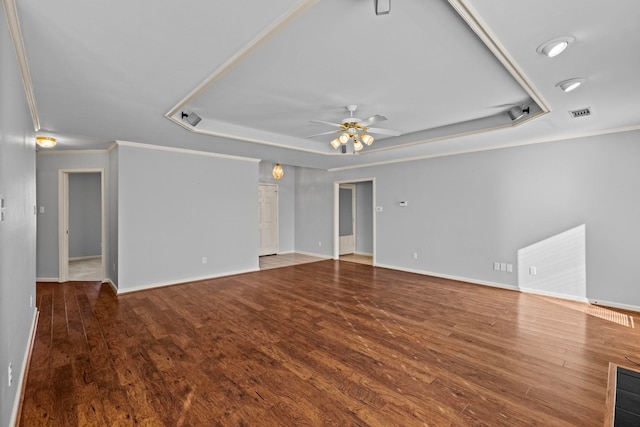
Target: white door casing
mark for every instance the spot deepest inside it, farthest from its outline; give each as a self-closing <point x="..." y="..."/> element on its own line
<point x="63" y="221"/>
<point x="348" y="238"/>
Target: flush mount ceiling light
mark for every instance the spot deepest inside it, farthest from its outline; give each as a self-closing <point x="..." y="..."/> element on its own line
<point x="45" y="141"/>
<point x="355" y="130"/>
<point x="555" y="47"/>
<point x="569" y="85"/>
<point x="277" y="172"/>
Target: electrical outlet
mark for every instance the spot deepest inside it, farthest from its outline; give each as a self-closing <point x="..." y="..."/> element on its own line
<point x="503" y="266"/>
<point x="319" y="243"/>
<point x="10" y="375"/>
<point x="533" y="271"/>
<point x="415" y="255"/>
<point x="496" y="266"/>
<point x="204" y="259"/>
<point x="509" y="268"/>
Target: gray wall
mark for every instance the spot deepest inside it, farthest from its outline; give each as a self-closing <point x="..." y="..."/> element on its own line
<point x="176" y="208"/>
<point x="48" y="164"/>
<point x="286" y="203"/>
<point x="85" y="215"/>
<point x="18" y="230"/>
<point x="467" y="211"/>
<point x="345" y="212"/>
<point x="364" y="218"/>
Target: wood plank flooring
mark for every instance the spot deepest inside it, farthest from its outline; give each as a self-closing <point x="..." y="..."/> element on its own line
<point x="325" y="343"/>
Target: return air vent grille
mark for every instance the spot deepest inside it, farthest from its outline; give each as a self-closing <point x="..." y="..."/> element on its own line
<point x="580" y="113"/>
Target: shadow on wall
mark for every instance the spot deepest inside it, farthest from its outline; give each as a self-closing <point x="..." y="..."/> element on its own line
<point x="555" y="266"/>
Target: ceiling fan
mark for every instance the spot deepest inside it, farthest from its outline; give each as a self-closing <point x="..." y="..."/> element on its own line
<point x="355" y="130"/>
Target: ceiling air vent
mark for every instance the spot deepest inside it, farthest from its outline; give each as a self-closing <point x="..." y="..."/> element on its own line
<point x="580" y="113"/>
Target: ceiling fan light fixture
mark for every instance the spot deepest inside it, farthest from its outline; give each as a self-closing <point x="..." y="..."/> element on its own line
<point x="569" y="85"/>
<point x="344" y="138"/>
<point x="555" y="47"/>
<point x="46" y="141"/>
<point x="357" y="145"/>
<point x="366" y="139"/>
<point x="336" y="143"/>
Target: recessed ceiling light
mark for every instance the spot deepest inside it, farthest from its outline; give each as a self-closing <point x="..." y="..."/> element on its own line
<point x="569" y="85"/>
<point x="555" y="47"/>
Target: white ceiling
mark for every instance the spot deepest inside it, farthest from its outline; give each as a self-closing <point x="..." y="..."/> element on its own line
<point x="443" y="72"/>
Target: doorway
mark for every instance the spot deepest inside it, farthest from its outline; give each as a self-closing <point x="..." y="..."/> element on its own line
<point x="81" y="225"/>
<point x="354" y="221"/>
<point x="268" y="219"/>
<point x="347" y="219"/>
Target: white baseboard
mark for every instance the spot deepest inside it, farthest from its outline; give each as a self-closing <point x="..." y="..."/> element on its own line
<point x="323" y="256"/>
<point x="47" y="279"/>
<point x="25" y="366"/>
<point x="450" y="277"/>
<point x="82" y="258"/>
<point x="111" y="284"/>
<point x="614" y="305"/>
<point x="285" y="252"/>
<point x="363" y="253"/>
<point x="553" y="294"/>
<point x="121" y="290"/>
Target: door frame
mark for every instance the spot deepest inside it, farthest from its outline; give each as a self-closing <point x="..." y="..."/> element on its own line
<point x="354" y="208"/>
<point x="63" y="221"/>
<point x="336" y="214"/>
<point x="269" y="184"/>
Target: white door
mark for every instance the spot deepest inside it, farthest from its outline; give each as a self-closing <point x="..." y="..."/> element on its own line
<point x="268" y="208"/>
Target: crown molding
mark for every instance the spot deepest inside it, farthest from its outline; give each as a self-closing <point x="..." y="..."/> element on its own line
<point x="21" y="56"/>
<point x="495" y="147"/>
<point x="185" y="151"/>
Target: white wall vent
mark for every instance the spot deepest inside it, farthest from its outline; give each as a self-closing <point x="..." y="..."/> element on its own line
<point x="580" y="113"/>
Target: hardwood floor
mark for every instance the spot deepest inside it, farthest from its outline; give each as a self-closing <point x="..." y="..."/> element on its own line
<point x="324" y="343"/>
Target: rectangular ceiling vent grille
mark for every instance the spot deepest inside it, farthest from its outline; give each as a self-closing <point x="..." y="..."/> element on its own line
<point x="580" y="113"/>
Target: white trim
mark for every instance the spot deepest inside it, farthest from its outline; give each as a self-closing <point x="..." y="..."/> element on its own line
<point x="450" y="277"/>
<point x="336" y="214"/>
<point x="122" y="291"/>
<point x="63" y="220"/>
<point x="113" y="286"/>
<point x="620" y="306"/>
<point x="54" y="152"/>
<point x="113" y="145"/>
<point x="63" y="226"/>
<point x="285" y="253"/>
<point x="13" y="22"/>
<point x="496" y="147"/>
<point x="323" y="256"/>
<point x="554" y="295"/>
<point x="48" y="279"/>
<point x="475" y="22"/>
<point x="284" y="20"/>
<point x="23" y="372"/>
<point x="83" y="258"/>
<point x="185" y="151"/>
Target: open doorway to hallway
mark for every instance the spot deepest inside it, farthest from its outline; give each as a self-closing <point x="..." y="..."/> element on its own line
<point x="354" y="221"/>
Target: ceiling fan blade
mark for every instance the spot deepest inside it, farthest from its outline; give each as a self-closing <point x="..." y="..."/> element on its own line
<point x="371" y="120"/>
<point x="325" y="123"/>
<point x="324" y="133"/>
<point x="381" y="131"/>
